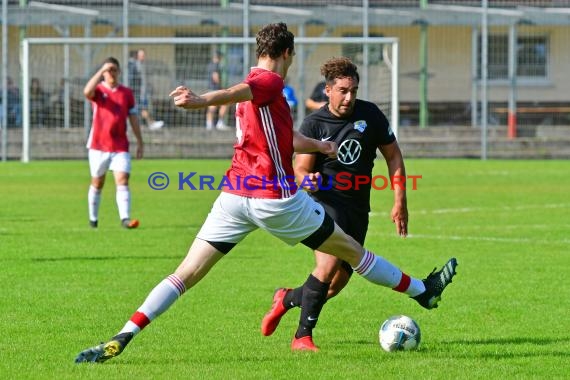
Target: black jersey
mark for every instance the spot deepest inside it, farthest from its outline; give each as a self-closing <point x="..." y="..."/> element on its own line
<point x="357" y="136"/>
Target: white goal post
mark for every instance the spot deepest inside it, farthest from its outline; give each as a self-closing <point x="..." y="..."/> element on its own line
<point x="73" y="61"/>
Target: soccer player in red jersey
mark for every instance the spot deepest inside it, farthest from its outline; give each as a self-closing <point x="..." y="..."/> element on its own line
<point x="113" y="104"/>
<point x="260" y="193"/>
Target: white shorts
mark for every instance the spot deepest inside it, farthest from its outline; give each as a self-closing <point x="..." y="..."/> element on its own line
<point x="100" y="162"/>
<point x="233" y="217"/>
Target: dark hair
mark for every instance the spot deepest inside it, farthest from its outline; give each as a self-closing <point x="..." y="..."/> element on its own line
<point x="336" y="68"/>
<point x="112" y="60"/>
<point x="273" y="40"/>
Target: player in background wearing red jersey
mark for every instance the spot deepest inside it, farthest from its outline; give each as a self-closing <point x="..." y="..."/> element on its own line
<point x="108" y="145"/>
<point x="260" y="193"/>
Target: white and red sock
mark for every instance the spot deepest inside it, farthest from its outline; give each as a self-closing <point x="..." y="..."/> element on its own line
<point x="94" y="199"/>
<point x="123" y="197"/>
<point x="157" y="302"/>
<point x="380" y="271"/>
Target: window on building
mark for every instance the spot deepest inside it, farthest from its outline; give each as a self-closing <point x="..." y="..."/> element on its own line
<point x="532" y="57"/>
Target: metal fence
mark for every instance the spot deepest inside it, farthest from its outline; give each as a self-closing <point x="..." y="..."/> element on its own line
<point x="480" y="64"/>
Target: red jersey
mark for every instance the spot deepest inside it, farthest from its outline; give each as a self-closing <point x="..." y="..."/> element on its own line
<point x="262" y="164"/>
<point x="111" y="109"/>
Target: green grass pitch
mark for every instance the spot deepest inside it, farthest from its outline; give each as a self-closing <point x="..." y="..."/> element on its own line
<point x="66" y="287"/>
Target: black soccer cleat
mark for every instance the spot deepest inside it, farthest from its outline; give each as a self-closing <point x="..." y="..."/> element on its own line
<point x="106" y="350"/>
<point x="93" y="223"/>
<point x="435" y="284"/>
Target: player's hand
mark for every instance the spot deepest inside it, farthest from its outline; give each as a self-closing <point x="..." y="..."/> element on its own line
<point x="184" y="97"/>
<point x="108" y="66"/>
<point x="329" y="148"/>
<point x="311" y="182"/>
<point x="400" y="218"/>
<point x="140" y="151"/>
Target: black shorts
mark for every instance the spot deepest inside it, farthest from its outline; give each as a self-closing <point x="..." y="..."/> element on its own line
<point x="353" y="222"/>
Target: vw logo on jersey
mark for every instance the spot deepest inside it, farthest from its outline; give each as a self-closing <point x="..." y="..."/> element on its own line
<point x="360" y="125"/>
<point x="349" y="151"/>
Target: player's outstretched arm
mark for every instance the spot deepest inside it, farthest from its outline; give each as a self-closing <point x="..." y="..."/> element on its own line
<point x="184" y="97"/>
<point x="304" y="144"/>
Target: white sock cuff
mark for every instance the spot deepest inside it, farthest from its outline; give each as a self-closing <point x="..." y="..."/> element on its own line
<point x="176" y="283"/>
<point x="93" y="189"/>
<point x="366" y="264"/>
<point x="122" y="188"/>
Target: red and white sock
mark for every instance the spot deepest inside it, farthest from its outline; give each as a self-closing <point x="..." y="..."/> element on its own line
<point x="409" y="285"/>
<point x="94" y="199"/>
<point x="380" y="271"/>
<point x="123" y="197"/>
<point x="157" y="302"/>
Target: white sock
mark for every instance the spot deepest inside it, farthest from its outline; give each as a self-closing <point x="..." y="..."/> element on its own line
<point x="157" y="302"/>
<point x="380" y="271"/>
<point x="94" y="199"/>
<point x="124" y="201"/>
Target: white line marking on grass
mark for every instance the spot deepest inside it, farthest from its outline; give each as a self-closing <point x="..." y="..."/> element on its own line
<point x="479" y="209"/>
<point x="514" y="226"/>
<point x="502" y="208"/>
<point x="489" y="238"/>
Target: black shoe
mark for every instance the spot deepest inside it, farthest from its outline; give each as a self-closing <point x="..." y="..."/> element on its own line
<point x="435" y="283"/>
<point x="105" y="350"/>
<point x="93" y="223"/>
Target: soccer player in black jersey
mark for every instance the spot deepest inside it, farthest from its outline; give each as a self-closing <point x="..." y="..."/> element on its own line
<point x="359" y="128"/>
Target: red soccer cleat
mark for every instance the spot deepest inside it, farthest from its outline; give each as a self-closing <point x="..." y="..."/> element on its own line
<point x="304" y="344"/>
<point x="130" y="223"/>
<point x="273" y="316"/>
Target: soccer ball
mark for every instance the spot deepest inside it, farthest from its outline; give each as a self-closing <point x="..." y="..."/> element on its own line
<point x="399" y="333"/>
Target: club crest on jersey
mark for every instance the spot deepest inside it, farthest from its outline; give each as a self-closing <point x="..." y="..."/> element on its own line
<point x="360" y="125"/>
